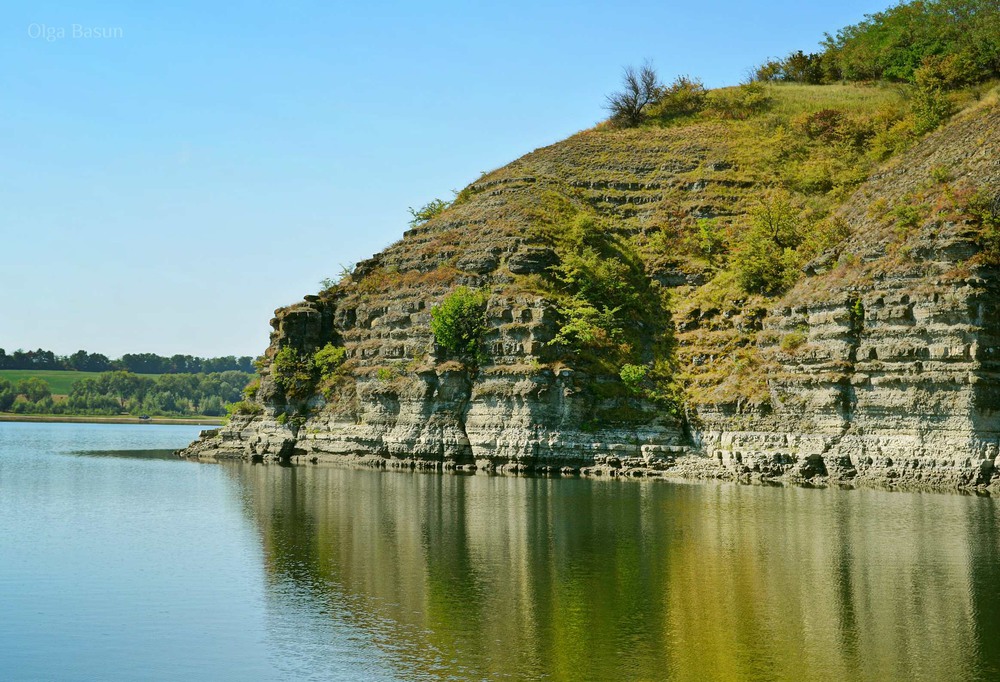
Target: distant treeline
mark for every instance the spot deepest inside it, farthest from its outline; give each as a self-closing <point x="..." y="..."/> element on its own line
<point x="118" y="392"/>
<point x="139" y="363"/>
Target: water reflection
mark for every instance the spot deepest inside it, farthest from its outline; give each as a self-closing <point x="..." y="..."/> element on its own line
<point x="476" y="576"/>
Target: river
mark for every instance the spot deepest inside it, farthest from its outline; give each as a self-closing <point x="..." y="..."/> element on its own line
<point x="121" y="562"/>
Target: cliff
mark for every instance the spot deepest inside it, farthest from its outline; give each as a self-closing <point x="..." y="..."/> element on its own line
<point x="623" y="332"/>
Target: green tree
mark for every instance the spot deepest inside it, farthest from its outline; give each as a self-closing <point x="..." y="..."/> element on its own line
<point x="893" y="44"/>
<point x="640" y="88"/>
<point x="34" y="389"/>
<point x="124" y="386"/>
<point x="459" y="322"/>
<point x="765" y="259"/>
<point x="8" y="394"/>
<point x="213" y="406"/>
<point x="930" y="103"/>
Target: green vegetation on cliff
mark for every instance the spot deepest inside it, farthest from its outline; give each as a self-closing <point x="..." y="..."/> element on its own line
<point x="298" y="373"/>
<point x="459" y="322"/>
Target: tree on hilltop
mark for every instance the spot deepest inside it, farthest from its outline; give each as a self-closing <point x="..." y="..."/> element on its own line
<point x="640" y="88"/>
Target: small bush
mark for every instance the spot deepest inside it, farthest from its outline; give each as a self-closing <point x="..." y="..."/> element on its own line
<point x="907" y="215"/>
<point x="243" y="407"/>
<point x="294" y="373"/>
<point x="857" y="311"/>
<point x="811" y="176"/>
<point x="792" y="341"/>
<point x="762" y="267"/>
<point x="328" y="359"/>
<point x="931" y="104"/>
<point x="893" y="136"/>
<point x="738" y="103"/>
<point x="459" y="322"/>
<point x="250" y="390"/>
<point x="684" y="97"/>
<point x="822" y="125"/>
<point x="985" y="212"/>
<point x="940" y="174"/>
<point x="421" y="215"/>
<point x="633" y="377"/>
<point x="585" y="325"/>
<point x="711" y="240"/>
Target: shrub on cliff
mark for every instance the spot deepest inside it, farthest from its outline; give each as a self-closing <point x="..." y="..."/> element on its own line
<point x="602" y="284"/>
<point x="985" y="214"/>
<point x="243" y="407"/>
<point x="459" y="322"/>
<point x="293" y="372"/>
<point x="684" y="97"/>
<point x="419" y="216"/>
<point x="931" y="105"/>
<point x="328" y="359"/>
<point x="251" y="389"/>
<point x="765" y="259"/>
<point x="640" y="89"/>
<point x="633" y="376"/>
<point x="297" y="373"/>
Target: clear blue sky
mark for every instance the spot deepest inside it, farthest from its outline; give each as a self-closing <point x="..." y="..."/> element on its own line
<point x="169" y="185"/>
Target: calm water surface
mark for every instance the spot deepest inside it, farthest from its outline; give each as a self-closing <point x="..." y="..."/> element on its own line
<point x="117" y="562"/>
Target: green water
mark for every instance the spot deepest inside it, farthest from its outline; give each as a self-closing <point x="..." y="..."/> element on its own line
<point x="118" y="567"/>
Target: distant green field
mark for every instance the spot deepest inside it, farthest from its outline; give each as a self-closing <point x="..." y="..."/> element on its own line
<point x="59" y="380"/>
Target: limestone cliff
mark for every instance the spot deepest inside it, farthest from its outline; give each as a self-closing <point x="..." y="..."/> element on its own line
<point x="879" y="364"/>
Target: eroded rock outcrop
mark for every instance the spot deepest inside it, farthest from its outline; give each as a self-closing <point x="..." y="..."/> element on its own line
<point x="880" y="366"/>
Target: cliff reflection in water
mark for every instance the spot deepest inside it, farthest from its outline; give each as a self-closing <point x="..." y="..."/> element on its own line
<point x="479" y="576"/>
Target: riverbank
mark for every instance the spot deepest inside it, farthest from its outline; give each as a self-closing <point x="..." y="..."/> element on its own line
<point x="87" y="419"/>
<point x="948" y="476"/>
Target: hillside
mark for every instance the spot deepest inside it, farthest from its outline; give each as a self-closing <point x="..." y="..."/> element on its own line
<point x="588" y="253"/>
<point x="784" y="280"/>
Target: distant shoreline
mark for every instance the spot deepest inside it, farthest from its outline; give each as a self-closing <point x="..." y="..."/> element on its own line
<point x="84" y="419"/>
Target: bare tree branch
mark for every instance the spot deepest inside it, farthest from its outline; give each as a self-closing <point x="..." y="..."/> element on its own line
<point x="640" y="88"/>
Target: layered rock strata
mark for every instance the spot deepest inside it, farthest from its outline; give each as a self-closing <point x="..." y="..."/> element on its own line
<point x="879" y="367"/>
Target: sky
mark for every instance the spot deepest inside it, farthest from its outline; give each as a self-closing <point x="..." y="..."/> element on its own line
<point x="170" y="173"/>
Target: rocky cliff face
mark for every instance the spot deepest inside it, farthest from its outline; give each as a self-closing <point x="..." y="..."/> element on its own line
<point x="881" y="365"/>
<point x="895" y="380"/>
